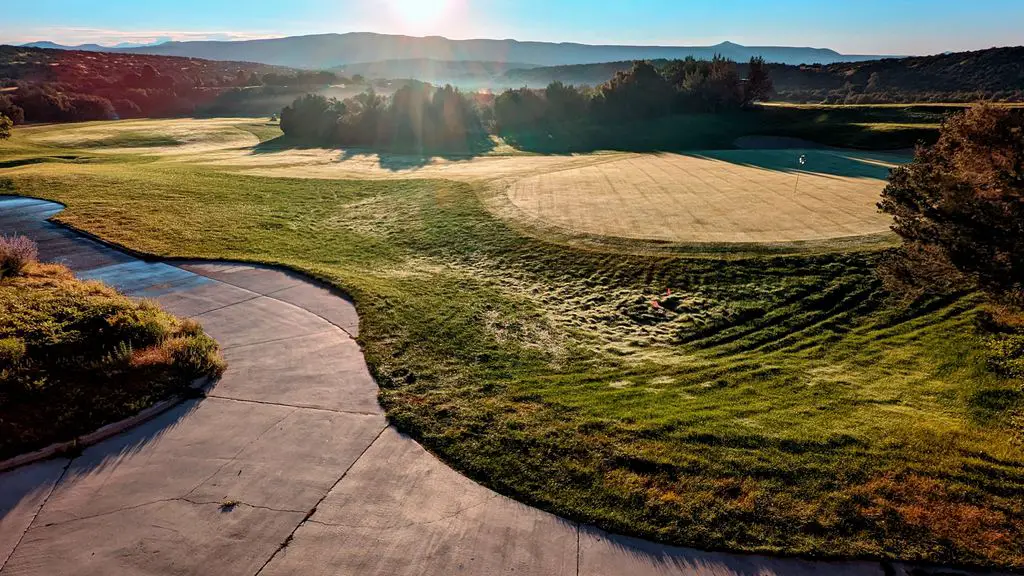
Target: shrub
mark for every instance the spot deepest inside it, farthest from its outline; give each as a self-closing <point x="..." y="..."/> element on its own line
<point x="195" y="356"/>
<point x="1006" y="354"/>
<point x="12" y="350"/>
<point x="9" y="109"/>
<point x="141" y="326"/>
<point x="77" y="355"/>
<point x="16" y="252"/>
<point x="959" y="207"/>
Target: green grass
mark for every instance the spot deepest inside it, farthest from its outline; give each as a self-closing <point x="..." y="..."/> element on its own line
<point x="129" y="140"/>
<point x="263" y="130"/>
<point x="770" y="404"/>
<point x="75" y="356"/>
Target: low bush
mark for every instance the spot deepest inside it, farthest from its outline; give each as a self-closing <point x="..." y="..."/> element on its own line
<point x="16" y="252"/>
<point x="76" y="355"/>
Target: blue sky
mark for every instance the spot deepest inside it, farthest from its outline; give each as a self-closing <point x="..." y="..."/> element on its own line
<point x="850" y="26"/>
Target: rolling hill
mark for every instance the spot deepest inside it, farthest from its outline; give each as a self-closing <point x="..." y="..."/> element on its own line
<point x="996" y="73"/>
<point x="49" y="85"/>
<point x="333" y="50"/>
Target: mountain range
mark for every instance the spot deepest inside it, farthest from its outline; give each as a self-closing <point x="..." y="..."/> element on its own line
<point x="323" y="51"/>
<point x="123" y="46"/>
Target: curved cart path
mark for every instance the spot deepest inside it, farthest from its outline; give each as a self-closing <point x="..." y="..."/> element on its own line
<point x="288" y="466"/>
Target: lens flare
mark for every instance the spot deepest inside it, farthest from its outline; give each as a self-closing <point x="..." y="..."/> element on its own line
<point x="422" y="16"/>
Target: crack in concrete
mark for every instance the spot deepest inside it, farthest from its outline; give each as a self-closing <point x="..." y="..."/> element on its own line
<point x="285" y="339"/>
<point x="232" y="503"/>
<point x="158" y="501"/>
<point x="109" y="512"/>
<point x="240" y="450"/>
<point x="455" y="514"/>
<point x="36" y="514"/>
<point x="255" y="296"/>
<point x="333" y="410"/>
<point x="320" y="501"/>
<point x="269" y="295"/>
<point x="578" y="550"/>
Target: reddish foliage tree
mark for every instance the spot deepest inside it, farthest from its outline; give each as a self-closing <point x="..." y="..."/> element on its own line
<point x="959" y="208"/>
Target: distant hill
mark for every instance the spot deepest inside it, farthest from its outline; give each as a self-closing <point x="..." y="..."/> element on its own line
<point x="45" y="65"/>
<point x="467" y="72"/>
<point x="333" y="50"/>
<point x="87" y="47"/>
<point x="996" y="73"/>
<point x="50" y="85"/>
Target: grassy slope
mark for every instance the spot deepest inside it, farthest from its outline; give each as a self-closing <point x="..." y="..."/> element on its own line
<point x="75" y="356"/>
<point x="772" y="404"/>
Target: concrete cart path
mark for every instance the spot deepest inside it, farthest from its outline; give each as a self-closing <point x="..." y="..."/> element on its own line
<point x="288" y="466"/>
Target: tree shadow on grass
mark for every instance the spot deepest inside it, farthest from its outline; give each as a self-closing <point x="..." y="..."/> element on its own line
<point x="390" y="158"/>
<point x="826" y="163"/>
<point x="858" y="129"/>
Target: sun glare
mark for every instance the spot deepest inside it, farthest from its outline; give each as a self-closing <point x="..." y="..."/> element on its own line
<point x="421" y="16"/>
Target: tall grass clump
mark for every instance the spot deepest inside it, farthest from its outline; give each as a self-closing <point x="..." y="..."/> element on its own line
<point x="16" y="252"/>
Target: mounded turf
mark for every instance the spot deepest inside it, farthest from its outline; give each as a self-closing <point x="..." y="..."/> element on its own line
<point x="769" y="404"/>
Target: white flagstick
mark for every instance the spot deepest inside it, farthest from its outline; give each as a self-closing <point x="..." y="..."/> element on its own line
<point x="803" y="160"/>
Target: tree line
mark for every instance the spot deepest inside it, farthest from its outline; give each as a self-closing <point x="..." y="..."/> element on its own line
<point x="643" y="92"/>
<point x="416" y="117"/>
<point x="995" y="74"/>
<point x="420" y="116"/>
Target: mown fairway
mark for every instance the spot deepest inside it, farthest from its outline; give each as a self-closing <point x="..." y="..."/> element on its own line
<point x="772" y="404"/>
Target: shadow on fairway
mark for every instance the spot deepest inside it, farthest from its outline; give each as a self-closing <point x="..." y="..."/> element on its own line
<point x="388" y="158"/>
<point x="828" y="163"/>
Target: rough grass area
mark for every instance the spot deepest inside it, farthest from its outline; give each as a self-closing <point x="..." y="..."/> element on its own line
<point x="75" y="356"/>
<point x="769" y="404"/>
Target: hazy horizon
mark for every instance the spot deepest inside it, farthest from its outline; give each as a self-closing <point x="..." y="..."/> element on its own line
<point x="866" y="27"/>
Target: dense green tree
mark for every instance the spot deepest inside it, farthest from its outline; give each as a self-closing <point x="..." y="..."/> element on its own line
<point x="640" y="93"/>
<point x="416" y="117"/>
<point x="758" y="86"/>
<point x="518" y="109"/>
<point x="13" y="112"/>
<point x="564" y="103"/>
<point x="959" y="208"/>
<point x="5" y="127"/>
<point x="310" y="117"/>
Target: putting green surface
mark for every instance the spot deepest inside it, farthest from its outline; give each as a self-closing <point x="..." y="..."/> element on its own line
<point x="758" y="196"/>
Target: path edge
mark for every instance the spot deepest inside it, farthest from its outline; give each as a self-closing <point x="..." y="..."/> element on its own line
<point x="104" y="432"/>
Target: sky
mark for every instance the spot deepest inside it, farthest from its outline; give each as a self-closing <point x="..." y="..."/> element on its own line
<point x="850" y="26"/>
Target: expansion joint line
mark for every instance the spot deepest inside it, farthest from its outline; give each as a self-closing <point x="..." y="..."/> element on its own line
<point x="37" y="512"/>
<point x="312" y="510"/>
